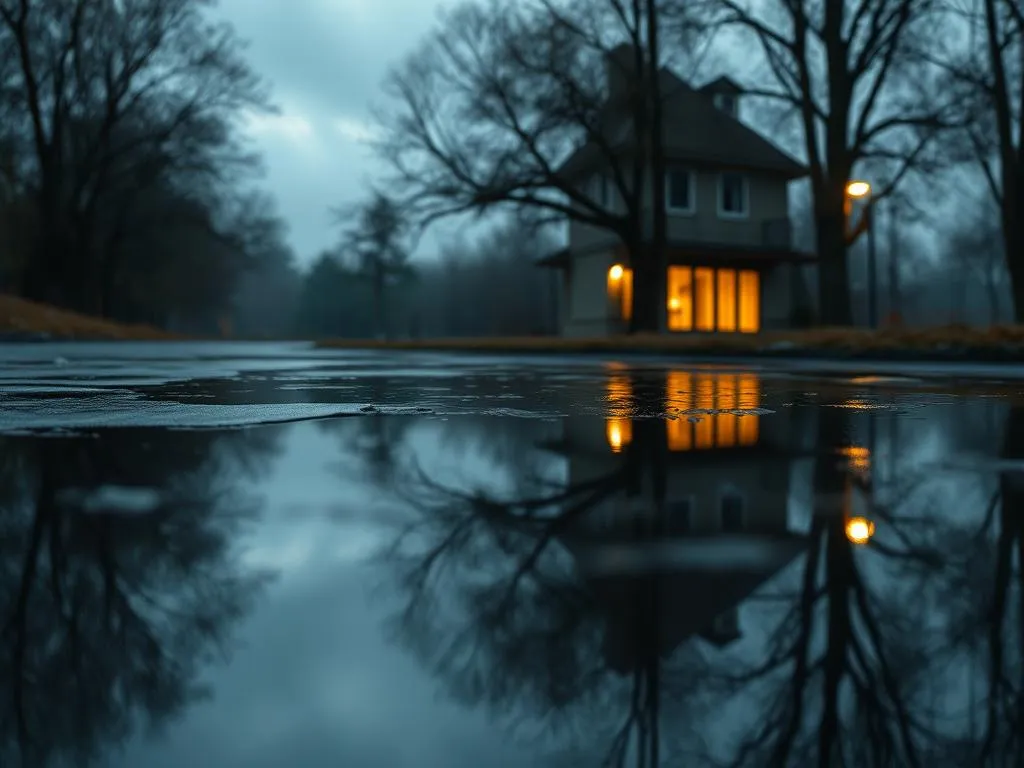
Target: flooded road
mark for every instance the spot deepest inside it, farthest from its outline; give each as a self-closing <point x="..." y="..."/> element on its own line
<point x="262" y="555"/>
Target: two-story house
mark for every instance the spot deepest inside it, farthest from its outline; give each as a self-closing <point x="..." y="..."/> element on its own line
<point x="731" y="267"/>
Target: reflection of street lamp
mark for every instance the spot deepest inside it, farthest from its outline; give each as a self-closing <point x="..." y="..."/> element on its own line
<point x="615" y="273"/>
<point x="857" y="190"/>
<point x="859" y="530"/>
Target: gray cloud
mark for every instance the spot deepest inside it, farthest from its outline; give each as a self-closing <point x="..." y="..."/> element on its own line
<point x="325" y="60"/>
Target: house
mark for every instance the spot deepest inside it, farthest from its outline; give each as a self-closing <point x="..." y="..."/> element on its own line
<point x="724" y="528"/>
<point x="731" y="263"/>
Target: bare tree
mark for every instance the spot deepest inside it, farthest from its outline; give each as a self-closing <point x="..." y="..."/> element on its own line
<point x="378" y="239"/>
<point x="95" y="82"/>
<point x="510" y="105"/>
<point x="987" y="65"/>
<point x="848" y="71"/>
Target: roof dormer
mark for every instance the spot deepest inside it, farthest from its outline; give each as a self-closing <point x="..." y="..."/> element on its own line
<point x="725" y="93"/>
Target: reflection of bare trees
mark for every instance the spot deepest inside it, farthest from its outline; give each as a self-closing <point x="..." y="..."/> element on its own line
<point x="494" y="606"/>
<point x="851" y="665"/>
<point x="118" y="583"/>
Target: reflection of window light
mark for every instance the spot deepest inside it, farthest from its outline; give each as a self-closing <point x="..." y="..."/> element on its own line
<point x="714" y="392"/>
<point x="859" y="456"/>
<point x="859" y="530"/>
<point x="620" y="433"/>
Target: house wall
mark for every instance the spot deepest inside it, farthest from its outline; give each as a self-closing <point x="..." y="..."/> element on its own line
<point x="700" y="477"/>
<point x="777" y="297"/>
<point x="768" y="202"/>
<point x="589" y="312"/>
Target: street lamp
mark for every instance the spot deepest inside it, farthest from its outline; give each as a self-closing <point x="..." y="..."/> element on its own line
<point x="861" y="190"/>
<point x="859" y="530"/>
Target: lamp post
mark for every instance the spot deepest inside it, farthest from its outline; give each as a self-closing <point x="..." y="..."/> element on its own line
<point x="857" y="190"/>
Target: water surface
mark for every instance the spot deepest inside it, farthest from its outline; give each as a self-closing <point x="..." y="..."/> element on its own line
<point x="507" y="563"/>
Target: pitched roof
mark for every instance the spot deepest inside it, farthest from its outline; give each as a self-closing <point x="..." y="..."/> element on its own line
<point x="694" y="129"/>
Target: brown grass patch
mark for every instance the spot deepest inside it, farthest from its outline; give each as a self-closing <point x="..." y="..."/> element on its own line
<point x="20" y="316"/>
<point x="956" y="340"/>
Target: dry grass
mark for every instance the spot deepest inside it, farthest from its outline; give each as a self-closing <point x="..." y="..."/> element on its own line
<point x="999" y="342"/>
<point x="19" y="316"/>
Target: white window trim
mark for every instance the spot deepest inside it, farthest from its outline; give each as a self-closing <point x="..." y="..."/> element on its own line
<point x="691" y="181"/>
<point x="744" y="516"/>
<point x="724" y="214"/>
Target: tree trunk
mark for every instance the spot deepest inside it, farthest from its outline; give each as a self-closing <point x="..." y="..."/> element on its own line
<point x="833" y="280"/>
<point x="659" y="221"/>
<point x="644" y="313"/>
<point x="1013" y="245"/>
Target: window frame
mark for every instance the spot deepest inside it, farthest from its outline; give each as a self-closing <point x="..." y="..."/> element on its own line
<point x="691" y="183"/>
<point x="726" y="102"/>
<point x="745" y="196"/>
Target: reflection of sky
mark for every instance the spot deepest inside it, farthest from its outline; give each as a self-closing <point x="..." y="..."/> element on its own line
<point x="315" y="682"/>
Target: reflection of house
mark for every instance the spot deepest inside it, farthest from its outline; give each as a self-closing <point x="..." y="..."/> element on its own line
<point x="730" y="255"/>
<point x="724" y="527"/>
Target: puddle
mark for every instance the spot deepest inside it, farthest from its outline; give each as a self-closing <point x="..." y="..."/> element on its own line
<point x="711" y="561"/>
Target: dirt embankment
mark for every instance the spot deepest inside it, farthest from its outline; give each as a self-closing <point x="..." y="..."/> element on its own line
<point x="22" y="320"/>
<point x="952" y="343"/>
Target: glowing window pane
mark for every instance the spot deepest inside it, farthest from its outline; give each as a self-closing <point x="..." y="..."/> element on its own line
<point x="680" y="299"/>
<point x="727" y="299"/>
<point x="750" y="301"/>
<point x="704" y="295"/>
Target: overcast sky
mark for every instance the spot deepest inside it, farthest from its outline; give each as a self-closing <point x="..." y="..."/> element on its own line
<point x="325" y="60"/>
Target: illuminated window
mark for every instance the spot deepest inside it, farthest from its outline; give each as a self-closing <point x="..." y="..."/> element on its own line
<point x="750" y="301"/>
<point x="620" y="290"/>
<point x="704" y="298"/>
<point x="720" y="393"/>
<point x="707" y="299"/>
<point x="680" y="299"/>
<point x="727" y="299"/>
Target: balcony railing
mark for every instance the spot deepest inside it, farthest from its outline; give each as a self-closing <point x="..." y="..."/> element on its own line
<point x="777" y="233"/>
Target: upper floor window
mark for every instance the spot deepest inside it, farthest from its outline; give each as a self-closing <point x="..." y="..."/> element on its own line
<point x="733" y="196"/>
<point x="679" y="191"/>
<point x="726" y="102"/>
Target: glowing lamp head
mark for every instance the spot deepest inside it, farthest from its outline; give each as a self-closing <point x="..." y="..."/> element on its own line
<point x="616" y="272"/>
<point x="858" y="189"/>
<point x="674" y="303"/>
<point x="859" y="530"/>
